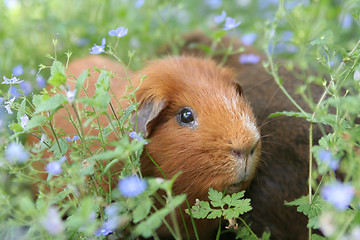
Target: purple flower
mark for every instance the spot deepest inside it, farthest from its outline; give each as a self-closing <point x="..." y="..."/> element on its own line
<point x="139" y="3"/>
<point x="16" y="153"/>
<point x="220" y="18"/>
<point x="103" y="231"/>
<point x="12" y="80"/>
<point x="213" y="4"/>
<point x="55" y="167"/>
<point x="13" y="91"/>
<point x="119" y="32"/>
<point x="248" y="39"/>
<point x="230" y="23"/>
<point x="24" y="121"/>
<point x="327" y="157"/>
<point x="347" y="21"/>
<point x="70" y="95"/>
<point x="135" y="135"/>
<point x="26" y="87"/>
<point x="97" y="49"/>
<point x="249" y="58"/>
<point x="8" y="105"/>
<point x="338" y="194"/>
<point x="18" y="70"/>
<point x="40" y="81"/>
<point x="72" y="139"/>
<point x="111" y="210"/>
<point x="132" y="186"/>
<point x="357" y="75"/>
<point x="52" y="222"/>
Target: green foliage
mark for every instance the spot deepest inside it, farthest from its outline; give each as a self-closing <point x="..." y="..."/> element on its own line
<point x="316" y="40"/>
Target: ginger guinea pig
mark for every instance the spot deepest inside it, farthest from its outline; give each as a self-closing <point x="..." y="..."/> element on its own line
<point x="198" y="123"/>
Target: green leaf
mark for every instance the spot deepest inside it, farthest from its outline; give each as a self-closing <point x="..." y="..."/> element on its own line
<point x="80" y="81"/>
<point x="64" y="147"/>
<point x="243" y="206"/>
<point x="311" y="210"/>
<point x="147" y="227"/>
<point x="22" y="110"/>
<point x="58" y="76"/>
<point x="215" y="213"/>
<point x="35" y="121"/>
<point x="52" y="103"/>
<point x="103" y="81"/>
<point x="142" y="210"/>
<point x="216" y="198"/>
<point x="15" y="127"/>
<point x="176" y="201"/>
<point x="201" y="210"/>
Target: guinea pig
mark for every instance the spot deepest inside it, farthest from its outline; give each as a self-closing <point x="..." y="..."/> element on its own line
<point x="283" y="171"/>
<point x="199" y="125"/>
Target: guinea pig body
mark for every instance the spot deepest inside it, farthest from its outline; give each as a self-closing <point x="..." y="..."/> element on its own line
<point x="199" y="125"/>
<point x="205" y="129"/>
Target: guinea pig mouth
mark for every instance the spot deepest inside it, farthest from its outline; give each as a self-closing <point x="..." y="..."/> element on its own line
<point x="236" y="187"/>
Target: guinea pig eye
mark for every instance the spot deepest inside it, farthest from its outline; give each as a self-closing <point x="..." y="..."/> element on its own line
<point x="186" y="117"/>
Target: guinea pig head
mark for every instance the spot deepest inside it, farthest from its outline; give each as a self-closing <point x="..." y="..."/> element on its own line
<point x="199" y="124"/>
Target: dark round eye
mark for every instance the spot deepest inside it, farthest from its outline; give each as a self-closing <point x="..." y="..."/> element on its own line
<point x="186" y="117"/>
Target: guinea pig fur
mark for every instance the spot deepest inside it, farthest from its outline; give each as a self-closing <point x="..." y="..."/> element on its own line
<point x="199" y="123"/>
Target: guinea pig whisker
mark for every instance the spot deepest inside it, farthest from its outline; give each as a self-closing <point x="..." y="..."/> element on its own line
<point x="258" y="84"/>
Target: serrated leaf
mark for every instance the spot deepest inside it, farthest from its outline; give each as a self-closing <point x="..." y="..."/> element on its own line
<point x="215" y="213"/>
<point x="58" y="76"/>
<point x="227" y="200"/>
<point x="311" y="210"/>
<point x="216" y="198"/>
<point x="142" y="210"/>
<point x="52" y="103"/>
<point x="35" y="121"/>
<point x="15" y="127"/>
<point x="202" y="210"/>
<point x="243" y="206"/>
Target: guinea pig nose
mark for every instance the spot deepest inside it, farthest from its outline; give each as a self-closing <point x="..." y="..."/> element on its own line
<point x="238" y="153"/>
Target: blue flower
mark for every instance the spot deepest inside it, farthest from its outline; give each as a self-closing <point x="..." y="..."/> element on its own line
<point x="97" y="49"/>
<point x="249" y="58"/>
<point x="111" y="210"/>
<point x="12" y="80"/>
<point x="14" y="91"/>
<point x="347" y="21"/>
<point x="52" y="222"/>
<point x="230" y="23"/>
<point x="248" y="39"/>
<point x="327" y="157"/>
<point x="16" y="153"/>
<point x="18" y="70"/>
<point x="139" y="3"/>
<point x="70" y="95"/>
<point x="103" y="231"/>
<point x="135" y="135"/>
<point x="357" y="75"/>
<point x="26" y="87"/>
<point x="8" y="105"/>
<point x="220" y="18"/>
<point x="213" y="4"/>
<point x="24" y="121"/>
<point x="132" y="186"/>
<point x="72" y="139"/>
<point x="40" y="81"/>
<point x="338" y="194"/>
<point x="55" y="167"/>
<point x="119" y="32"/>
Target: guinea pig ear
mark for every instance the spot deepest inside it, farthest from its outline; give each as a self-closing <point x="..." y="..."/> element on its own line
<point x="148" y="111"/>
<point x="238" y="88"/>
